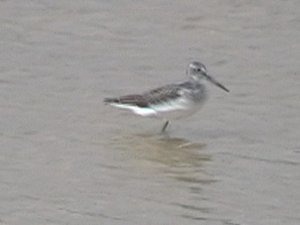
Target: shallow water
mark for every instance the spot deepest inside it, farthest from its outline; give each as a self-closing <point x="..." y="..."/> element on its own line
<point x="66" y="158"/>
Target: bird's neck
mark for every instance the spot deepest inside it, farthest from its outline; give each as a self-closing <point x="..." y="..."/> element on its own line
<point x="196" y="80"/>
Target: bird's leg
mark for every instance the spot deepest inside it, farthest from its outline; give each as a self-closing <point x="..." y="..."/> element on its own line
<point x="165" y="126"/>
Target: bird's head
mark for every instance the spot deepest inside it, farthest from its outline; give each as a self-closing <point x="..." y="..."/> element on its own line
<point x="197" y="71"/>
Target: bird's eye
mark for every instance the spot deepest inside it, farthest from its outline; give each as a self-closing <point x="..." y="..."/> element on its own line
<point x="198" y="69"/>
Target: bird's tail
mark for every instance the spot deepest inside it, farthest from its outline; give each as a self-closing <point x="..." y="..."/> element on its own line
<point x="133" y="100"/>
<point x="111" y="100"/>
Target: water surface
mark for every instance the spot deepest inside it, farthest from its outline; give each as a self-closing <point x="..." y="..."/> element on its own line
<point x="66" y="158"/>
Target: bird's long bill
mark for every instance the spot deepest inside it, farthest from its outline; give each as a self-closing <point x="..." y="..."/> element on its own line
<point x="211" y="79"/>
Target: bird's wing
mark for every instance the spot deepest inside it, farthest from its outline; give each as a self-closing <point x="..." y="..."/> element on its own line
<point x="163" y="94"/>
<point x="152" y="97"/>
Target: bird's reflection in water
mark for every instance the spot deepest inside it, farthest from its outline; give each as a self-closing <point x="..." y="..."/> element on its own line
<point x="177" y="158"/>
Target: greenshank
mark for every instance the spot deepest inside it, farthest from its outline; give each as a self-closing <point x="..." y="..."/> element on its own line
<point x="172" y="101"/>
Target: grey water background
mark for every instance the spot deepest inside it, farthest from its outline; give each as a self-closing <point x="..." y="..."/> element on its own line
<point x="66" y="158"/>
